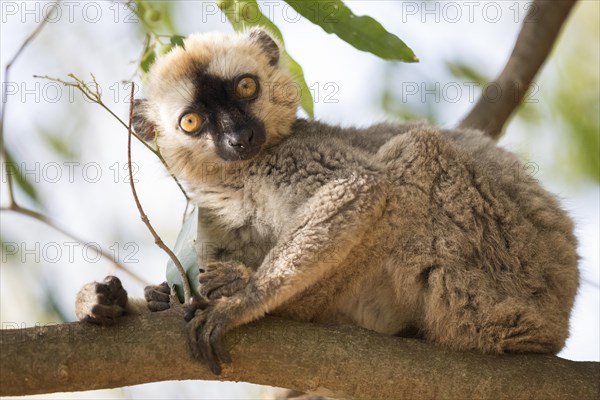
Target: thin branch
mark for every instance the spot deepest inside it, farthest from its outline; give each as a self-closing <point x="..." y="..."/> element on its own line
<point x="43" y="219"/>
<point x="187" y="293"/>
<point x="7" y="177"/>
<point x="3" y="152"/>
<point x="95" y="97"/>
<point x="12" y="203"/>
<point x="337" y="361"/>
<point x="540" y="29"/>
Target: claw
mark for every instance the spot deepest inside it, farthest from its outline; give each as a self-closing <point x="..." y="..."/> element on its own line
<point x="204" y="341"/>
<point x="209" y="356"/>
<point x="158" y="305"/>
<point x="194" y="327"/>
<point x="113" y="282"/>
<point x="156" y="293"/>
<point x="215" y="368"/>
<point x="102" y="289"/>
<point x="197" y="303"/>
<point x="189" y="314"/>
<point x="207" y="323"/>
<point x="216" y="343"/>
<point x="157" y="297"/>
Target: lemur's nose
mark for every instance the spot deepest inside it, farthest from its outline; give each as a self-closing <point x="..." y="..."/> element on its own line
<point x="240" y="140"/>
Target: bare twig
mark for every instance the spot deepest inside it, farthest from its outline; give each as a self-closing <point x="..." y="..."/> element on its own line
<point x="3" y="152"/>
<point x="12" y="203"/>
<point x="538" y="34"/>
<point x="186" y="285"/>
<point x="95" y="97"/>
<point x="43" y="219"/>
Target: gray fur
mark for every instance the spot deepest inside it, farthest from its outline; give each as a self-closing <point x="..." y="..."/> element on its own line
<point x="394" y="228"/>
<point x="432" y="230"/>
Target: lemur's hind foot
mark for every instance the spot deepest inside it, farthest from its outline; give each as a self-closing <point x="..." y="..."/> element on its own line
<point x="101" y="302"/>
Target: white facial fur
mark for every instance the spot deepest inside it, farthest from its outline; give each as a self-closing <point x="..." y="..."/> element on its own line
<point x="170" y="90"/>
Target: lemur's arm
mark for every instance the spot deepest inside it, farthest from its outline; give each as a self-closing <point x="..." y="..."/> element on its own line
<point x="333" y="221"/>
<point x="223" y="259"/>
<point x="221" y="275"/>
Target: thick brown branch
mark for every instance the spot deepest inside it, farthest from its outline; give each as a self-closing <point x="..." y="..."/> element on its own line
<point x="345" y="362"/>
<point x="534" y="43"/>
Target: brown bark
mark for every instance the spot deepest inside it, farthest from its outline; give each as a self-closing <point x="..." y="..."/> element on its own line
<point x="345" y="362"/>
<point x="540" y="29"/>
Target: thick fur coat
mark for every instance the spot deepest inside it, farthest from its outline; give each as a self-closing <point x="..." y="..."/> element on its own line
<point x="394" y="228"/>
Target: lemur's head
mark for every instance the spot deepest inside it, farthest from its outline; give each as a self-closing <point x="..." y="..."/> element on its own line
<point x="220" y="97"/>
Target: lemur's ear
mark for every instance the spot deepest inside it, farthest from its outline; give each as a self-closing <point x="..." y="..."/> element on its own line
<point x="142" y="126"/>
<point x="266" y="43"/>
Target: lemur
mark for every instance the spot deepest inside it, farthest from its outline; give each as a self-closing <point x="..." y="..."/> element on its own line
<point x="395" y="228"/>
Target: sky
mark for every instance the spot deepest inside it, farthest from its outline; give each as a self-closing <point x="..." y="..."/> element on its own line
<point x="90" y="196"/>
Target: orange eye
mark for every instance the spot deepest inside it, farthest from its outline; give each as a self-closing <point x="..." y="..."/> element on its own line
<point x="246" y="87"/>
<point x="190" y="122"/>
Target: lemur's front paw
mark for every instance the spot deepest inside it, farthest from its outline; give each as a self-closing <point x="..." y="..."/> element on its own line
<point x="158" y="297"/>
<point x="223" y="279"/>
<point x="101" y="302"/>
<point x="207" y="324"/>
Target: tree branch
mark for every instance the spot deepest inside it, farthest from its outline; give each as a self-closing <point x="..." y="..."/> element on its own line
<point x="187" y="292"/>
<point x="541" y="27"/>
<point x="101" y="252"/>
<point x="345" y="361"/>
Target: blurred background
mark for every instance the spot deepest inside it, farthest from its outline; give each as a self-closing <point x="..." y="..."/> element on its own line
<point x="71" y="153"/>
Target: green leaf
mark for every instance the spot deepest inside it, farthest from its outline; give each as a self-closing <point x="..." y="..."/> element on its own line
<point x="10" y="249"/>
<point x="155" y="16"/>
<point x="463" y="71"/>
<point x="362" y="32"/>
<point x="185" y="250"/>
<point x="147" y="61"/>
<point x="14" y="171"/>
<point x="578" y="108"/>
<point x="59" y="145"/>
<point x="306" y="99"/>
<point x="165" y="48"/>
<point x="152" y="15"/>
<point x="244" y="14"/>
<point x="177" y="40"/>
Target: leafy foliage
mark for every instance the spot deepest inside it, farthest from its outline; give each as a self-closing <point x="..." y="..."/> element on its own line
<point x="15" y="172"/>
<point x="244" y="14"/>
<point x="575" y="100"/>
<point x="147" y="60"/>
<point x="462" y="70"/>
<point x="60" y="145"/>
<point x="154" y="16"/>
<point x="362" y="32"/>
<point x="579" y="110"/>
